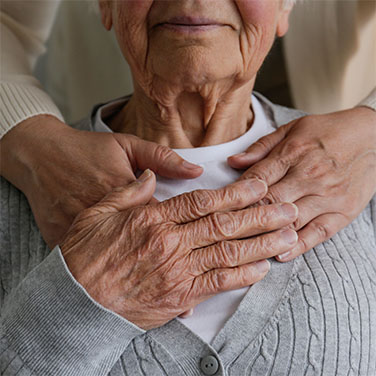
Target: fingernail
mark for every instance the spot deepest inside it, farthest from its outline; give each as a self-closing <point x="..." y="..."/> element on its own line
<point x="190" y="166"/>
<point x="145" y="176"/>
<point x="263" y="266"/>
<point x="284" y="256"/>
<point x="289" y="210"/>
<point x="258" y="186"/>
<point x="289" y="236"/>
<point x="240" y="155"/>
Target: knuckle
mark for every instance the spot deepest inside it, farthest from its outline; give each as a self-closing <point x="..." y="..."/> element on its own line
<point x="293" y="150"/>
<point x="201" y="201"/>
<point x="248" y="276"/>
<point x="265" y="246"/>
<point x="167" y="238"/>
<point x="161" y="243"/>
<point x="256" y="173"/>
<point x="303" y="245"/>
<point x="227" y="254"/>
<point x="224" y="223"/>
<point x="219" y="280"/>
<point x="261" y="216"/>
<point x="262" y="143"/>
<point x="323" y="230"/>
<point x="235" y="194"/>
<point x="162" y="153"/>
<point x="321" y="169"/>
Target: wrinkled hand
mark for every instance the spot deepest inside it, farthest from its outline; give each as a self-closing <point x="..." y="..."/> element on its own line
<point x="325" y="164"/>
<point x="151" y="263"/>
<point x="63" y="171"/>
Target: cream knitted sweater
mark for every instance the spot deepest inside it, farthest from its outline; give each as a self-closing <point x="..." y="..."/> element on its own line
<point x="330" y="67"/>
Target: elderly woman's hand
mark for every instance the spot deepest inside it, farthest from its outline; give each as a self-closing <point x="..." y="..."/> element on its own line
<point x="63" y="171"/>
<point x="151" y="263"/>
<point x="325" y="164"/>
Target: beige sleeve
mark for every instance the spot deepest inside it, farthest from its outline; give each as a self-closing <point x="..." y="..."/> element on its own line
<point x="370" y="101"/>
<point x="331" y="67"/>
<point x="25" y="26"/>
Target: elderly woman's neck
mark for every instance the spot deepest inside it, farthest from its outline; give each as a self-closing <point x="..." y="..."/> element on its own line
<point x="186" y="120"/>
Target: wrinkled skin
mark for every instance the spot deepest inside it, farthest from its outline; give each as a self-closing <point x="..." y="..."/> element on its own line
<point x="151" y="263"/>
<point x="192" y="90"/>
<point x="325" y="164"/>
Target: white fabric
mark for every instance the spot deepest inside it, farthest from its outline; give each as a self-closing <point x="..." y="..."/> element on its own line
<point x="210" y="316"/>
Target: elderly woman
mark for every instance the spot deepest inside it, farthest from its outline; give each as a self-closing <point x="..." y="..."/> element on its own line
<point x="107" y="300"/>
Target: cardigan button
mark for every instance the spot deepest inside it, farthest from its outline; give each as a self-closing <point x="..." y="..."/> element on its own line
<point x="209" y="365"/>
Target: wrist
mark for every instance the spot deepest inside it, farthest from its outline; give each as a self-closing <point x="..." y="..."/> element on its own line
<point x="22" y="145"/>
<point x="370" y="111"/>
<point x="366" y="123"/>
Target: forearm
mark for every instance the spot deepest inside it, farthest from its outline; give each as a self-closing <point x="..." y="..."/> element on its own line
<point x="25" y="27"/>
<point x="18" y="148"/>
<point x="51" y="325"/>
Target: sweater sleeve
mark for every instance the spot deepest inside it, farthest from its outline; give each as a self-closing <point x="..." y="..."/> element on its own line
<point x="370" y="101"/>
<point x="24" y="29"/>
<point x="51" y="326"/>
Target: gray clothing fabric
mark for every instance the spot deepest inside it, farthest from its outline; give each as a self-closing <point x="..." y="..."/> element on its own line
<point x="315" y="315"/>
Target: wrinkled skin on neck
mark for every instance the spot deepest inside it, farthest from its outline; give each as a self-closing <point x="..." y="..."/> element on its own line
<point x="192" y="89"/>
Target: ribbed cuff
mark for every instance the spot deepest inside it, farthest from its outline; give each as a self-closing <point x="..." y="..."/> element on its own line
<point x="58" y="329"/>
<point x="20" y="102"/>
<point x="370" y="101"/>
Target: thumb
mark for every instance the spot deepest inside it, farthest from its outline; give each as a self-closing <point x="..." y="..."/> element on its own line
<point x="161" y="159"/>
<point x="260" y="149"/>
<point x="134" y="194"/>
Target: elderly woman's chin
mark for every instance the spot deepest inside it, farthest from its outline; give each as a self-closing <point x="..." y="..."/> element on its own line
<point x="192" y="58"/>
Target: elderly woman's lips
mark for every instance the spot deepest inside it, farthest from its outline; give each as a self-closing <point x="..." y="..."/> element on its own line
<point x="183" y="28"/>
<point x="188" y="24"/>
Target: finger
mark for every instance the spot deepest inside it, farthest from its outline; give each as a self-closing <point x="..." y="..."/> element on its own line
<point x="271" y="170"/>
<point x="237" y="224"/>
<point x="228" y="254"/>
<point x="311" y="207"/>
<point x="196" y="204"/>
<point x="290" y="188"/>
<point x="136" y="193"/>
<point x="161" y="159"/>
<point x="317" y="231"/>
<point x="260" y="149"/>
<point x="220" y="280"/>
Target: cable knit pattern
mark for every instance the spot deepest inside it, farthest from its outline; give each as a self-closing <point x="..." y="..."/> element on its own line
<point x="313" y="316"/>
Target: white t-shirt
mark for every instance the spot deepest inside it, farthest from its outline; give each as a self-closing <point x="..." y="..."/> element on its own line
<point x="210" y="316"/>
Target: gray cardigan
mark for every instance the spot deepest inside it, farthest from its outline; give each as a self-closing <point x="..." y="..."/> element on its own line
<point x="315" y="315"/>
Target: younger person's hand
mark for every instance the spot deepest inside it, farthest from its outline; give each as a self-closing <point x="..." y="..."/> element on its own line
<point x="325" y="164"/>
<point x="63" y="171"/>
